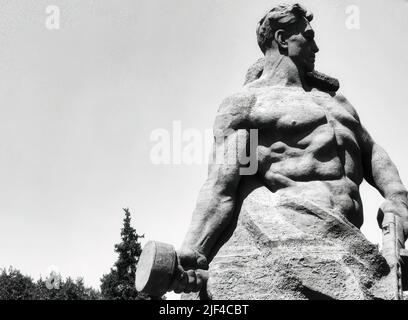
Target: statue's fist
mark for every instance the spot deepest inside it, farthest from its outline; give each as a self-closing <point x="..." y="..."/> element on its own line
<point x="398" y="208"/>
<point x="191" y="273"/>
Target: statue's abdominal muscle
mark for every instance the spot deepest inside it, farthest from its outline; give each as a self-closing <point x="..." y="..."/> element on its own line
<point x="307" y="146"/>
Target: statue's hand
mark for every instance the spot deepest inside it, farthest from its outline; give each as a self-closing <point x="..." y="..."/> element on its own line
<point x="191" y="272"/>
<point x="397" y="206"/>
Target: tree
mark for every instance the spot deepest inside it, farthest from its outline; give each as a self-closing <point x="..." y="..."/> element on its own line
<point x="15" y="286"/>
<point x="76" y="290"/>
<point x="66" y="290"/>
<point x="120" y="282"/>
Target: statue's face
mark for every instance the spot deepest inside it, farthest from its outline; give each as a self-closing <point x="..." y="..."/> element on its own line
<point x="302" y="47"/>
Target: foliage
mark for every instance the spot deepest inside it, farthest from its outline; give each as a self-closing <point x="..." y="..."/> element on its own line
<point x="16" y="286"/>
<point x="119" y="283"/>
<point x="67" y="290"/>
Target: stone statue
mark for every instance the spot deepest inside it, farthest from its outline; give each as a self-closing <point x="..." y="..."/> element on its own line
<point x="291" y="229"/>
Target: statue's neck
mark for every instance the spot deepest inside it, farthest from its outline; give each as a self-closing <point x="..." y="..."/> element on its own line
<point x="279" y="70"/>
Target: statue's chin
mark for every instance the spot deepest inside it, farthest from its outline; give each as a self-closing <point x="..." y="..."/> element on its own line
<point x="306" y="67"/>
<point x="310" y="68"/>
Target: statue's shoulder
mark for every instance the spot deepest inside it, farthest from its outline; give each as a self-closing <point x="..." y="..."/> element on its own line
<point x="235" y="110"/>
<point x="342" y="100"/>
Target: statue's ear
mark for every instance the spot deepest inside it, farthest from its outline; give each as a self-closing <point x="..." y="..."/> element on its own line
<point x="281" y="39"/>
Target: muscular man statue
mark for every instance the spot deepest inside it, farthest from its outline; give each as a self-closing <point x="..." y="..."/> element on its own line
<point x="291" y="230"/>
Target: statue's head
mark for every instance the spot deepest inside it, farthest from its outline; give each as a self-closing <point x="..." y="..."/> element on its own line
<point x="287" y="28"/>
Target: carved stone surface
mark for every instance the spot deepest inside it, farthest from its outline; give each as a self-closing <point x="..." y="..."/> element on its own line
<point x="289" y="248"/>
<point x="156" y="268"/>
<point x="314" y="78"/>
<point x="291" y="230"/>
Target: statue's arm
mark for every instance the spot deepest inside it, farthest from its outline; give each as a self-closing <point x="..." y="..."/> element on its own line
<point x="217" y="198"/>
<point x="381" y="173"/>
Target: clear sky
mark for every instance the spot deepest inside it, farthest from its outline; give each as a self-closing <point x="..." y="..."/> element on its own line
<point x="78" y="106"/>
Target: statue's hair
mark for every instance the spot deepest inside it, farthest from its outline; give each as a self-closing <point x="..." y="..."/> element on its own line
<point x="280" y="17"/>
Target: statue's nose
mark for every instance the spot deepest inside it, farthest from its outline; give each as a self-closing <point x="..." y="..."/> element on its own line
<point x="315" y="47"/>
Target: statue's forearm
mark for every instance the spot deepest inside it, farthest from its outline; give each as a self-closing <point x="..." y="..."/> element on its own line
<point x="384" y="176"/>
<point x="381" y="173"/>
<point x="216" y="201"/>
<point x="213" y="213"/>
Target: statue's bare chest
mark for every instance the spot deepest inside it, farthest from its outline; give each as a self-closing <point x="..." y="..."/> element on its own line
<point x="291" y="112"/>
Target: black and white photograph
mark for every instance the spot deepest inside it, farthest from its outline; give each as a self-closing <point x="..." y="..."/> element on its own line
<point x="205" y="150"/>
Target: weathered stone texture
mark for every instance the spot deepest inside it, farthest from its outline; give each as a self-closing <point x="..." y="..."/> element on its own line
<point x="291" y="249"/>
